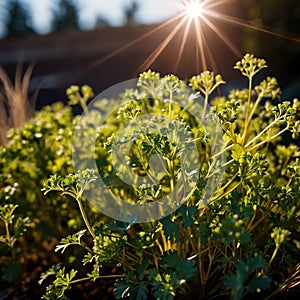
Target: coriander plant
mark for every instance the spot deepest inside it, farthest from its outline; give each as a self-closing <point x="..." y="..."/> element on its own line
<point x="243" y="241"/>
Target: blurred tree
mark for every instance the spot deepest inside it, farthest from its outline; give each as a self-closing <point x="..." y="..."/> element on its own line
<point x="131" y="11"/>
<point x="278" y="16"/>
<point x="101" y="22"/>
<point x="3" y="9"/>
<point x="18" y="20"/>
<point x="66" y="17"/>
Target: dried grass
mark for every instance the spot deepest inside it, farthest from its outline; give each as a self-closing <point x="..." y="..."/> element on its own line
<point x="15" y="105"/>
<point x="294" y="279"/>
<point x="289" y="286"/>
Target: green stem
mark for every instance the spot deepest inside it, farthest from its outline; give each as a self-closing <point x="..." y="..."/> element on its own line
<point x="7" y="232"/>
<point x="170" y="105"/>
<point x="205" y="104"/>
<point x="172" y="179"/>
<point x="84" y="216"/>
<point x="83" y="102"/>
<point x="99" y="277"/>
<point x="259" y="98"/>
<point x="251" y="221"/>
<point x="257" y="223"/>
<point x="228" y="163"/>
<point x="9" y="242"/>
<point x="268" y="140"/>
<point x="226" y="193"/>
<point x="247" y="119"/>
<point x="273" y="256"/>
<point x="229" y="182"/>
<point x="189" y="104"/>
<point x="261" y="133"/>
<point x="222" y="151"/>
<point x="159" y="247"/>
<point x="210" y="261"/>
<point x="163" y="238"/>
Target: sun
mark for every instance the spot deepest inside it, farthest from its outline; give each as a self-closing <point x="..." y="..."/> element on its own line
<point x="194" y="9"/>
<point x="200" y="18"/>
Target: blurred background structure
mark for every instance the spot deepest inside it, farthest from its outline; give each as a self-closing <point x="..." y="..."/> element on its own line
<point x="102" y="43"/>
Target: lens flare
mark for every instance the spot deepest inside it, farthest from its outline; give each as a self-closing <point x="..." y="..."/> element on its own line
<point x="194" y="9"/>
<point x="200" y="19"/>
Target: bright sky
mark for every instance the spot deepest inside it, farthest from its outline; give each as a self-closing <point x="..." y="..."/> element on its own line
<point x="150" y="11"/>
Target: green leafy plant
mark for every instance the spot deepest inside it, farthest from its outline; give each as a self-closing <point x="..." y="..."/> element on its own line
<point x="34" y="151"/>
<point x="244" y="241"/>
<point x="14" y="229"/>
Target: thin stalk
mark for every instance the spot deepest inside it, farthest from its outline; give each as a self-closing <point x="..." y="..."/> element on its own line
<point x="247" y="120"/>
<point x="210" y="260"/>
<point x="261" y="133"/>
<point x="171" y="170"/>
<point x="170" y="105"/>
<point x="259" y="98"/>
<point x="155" y="259"/>
<point x="201" y="271"/>
<point x="99" y="277"/>
<point x="228" y="163"/>
<point x="9" y="242"/>
<point x="84" y="106"/>
<point x="130" y="257"/>
<point x="165" y="244"/>
<point x="258" y="222"/>
<point x="159" y="247"/>
<point x="273" y="256"/>
<point x="227" y="192"/>
<point x="222" y="151"/>
<point x="84" y="216"/>
<point x="252" y="220"/>
<point x="268" y="140"/>
<point x="205" y="105"/>
<point x="232" y="133"/>
<point x="187" y="106"/>
<point x="229" y="182"/>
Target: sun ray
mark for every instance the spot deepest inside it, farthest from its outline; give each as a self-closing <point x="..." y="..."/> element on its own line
<point x="211" y="58"/>
<point x="160" y="48"/>
<point x="200" y="40"/>
<point x="209" y="53"/>
<point x="212" y="4"/>
<point x="197" y="58"/>
<point x="137" y="40"/>
<point x="252" y="25"/>
<point x="189" y="2"/>
<point x="222" y="36"/>
<point x="205" y="15"/>
<point x="183" y="43"/>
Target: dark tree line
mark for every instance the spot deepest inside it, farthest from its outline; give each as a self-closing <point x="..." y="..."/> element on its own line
<point x="66" y="17"/>
<point x="18" y="22"/>
<point x="18" y="19"/>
